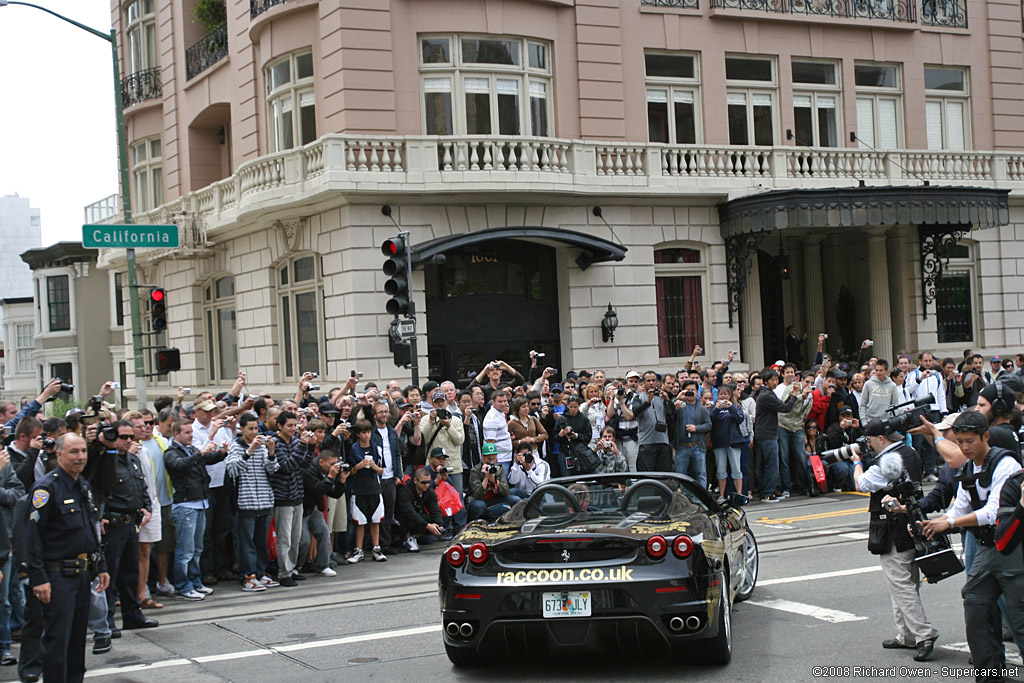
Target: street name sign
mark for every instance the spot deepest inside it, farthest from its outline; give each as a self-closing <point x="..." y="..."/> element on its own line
<point x="130" y="236"/>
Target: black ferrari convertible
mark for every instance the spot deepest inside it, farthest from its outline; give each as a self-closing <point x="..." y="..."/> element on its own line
<point x="627" y="563"/>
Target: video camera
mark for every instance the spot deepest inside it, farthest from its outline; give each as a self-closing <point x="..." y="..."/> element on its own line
<point x="444" y="469"/>
<point x="904" y="422"/>
<point x="859" y="447"/>
<point x="934" y="556"/>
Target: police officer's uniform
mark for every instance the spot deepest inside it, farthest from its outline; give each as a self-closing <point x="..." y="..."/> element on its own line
<point x="61" y="544"/>
<point x="122" y="506"/>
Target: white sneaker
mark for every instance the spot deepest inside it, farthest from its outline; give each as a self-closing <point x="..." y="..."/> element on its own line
<point x="784" y="495"/>
<point x="192" y="595"/>
<point x="205" y="590"/>
<point x="357" y="556"/>
<point x="165" y="589"/>
<point x="327" y="571"/>
<point x="411" y="545"/>
<point x="252" y="585"/>
<point x="379" y="556"/>
<point x="268" y="581"/>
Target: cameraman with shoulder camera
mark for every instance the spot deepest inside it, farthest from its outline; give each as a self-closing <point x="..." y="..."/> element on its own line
<point x="489" y="493"/>
<point x="888" y="529"/>
<point x="991" y="574"/>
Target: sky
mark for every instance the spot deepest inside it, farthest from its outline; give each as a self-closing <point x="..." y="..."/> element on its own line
<point x="58" y="131"/>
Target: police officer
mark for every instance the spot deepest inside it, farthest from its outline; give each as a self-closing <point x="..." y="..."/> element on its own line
<point x="124" y="506"/>
<point x="991" y="574"/>
<point x="889" y="538"/>
<point x="62" y="543"/>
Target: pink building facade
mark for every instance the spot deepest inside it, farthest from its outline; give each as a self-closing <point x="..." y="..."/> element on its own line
<point x="756" y="163"/>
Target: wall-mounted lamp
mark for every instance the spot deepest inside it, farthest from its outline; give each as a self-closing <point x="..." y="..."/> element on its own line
<point x="608" y="324"/>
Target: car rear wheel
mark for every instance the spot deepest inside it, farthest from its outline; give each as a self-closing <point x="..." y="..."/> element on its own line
<point x="718" y="650"/>
<point x="462" y="656"/>
<point x="748" y="574"/>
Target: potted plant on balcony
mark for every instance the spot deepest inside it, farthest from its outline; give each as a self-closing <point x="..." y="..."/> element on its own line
<point x="210" y="13"/>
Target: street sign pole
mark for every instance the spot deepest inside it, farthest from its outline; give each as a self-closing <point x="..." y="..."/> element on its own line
<point x="413" y="355"/>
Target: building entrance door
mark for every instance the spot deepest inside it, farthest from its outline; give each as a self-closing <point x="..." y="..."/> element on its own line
<point x="772" y="313"/>
<point x="495" y="300"/>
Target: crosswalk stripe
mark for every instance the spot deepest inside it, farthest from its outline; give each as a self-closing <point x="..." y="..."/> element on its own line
<point x="833" y="616"/>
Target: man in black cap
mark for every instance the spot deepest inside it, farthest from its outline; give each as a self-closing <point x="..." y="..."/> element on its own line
<point x="416" y="509"/>
<point x="991" y="574"/>
<point x="842" y="433"/>
<point x="889" y="538"/>
<point x="440" y="473"/>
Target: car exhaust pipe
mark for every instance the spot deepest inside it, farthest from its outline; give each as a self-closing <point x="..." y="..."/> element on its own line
<point x="676" y="623"/>
<point x="466" y="630"/>
<point x="692" y="623"/>
<point x="452" y="628"/>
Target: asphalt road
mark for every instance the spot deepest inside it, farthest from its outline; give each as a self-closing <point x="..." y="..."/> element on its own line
<point x="820" y="603"/>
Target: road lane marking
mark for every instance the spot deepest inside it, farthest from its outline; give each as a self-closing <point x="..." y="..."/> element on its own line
<point x="116" y="670"/>
<point x="360" y="638"/>
<point x="804" y="518"/>
<point x="231" y="655"/>
<point x="824" y="575"/>
<point x="833" y="616"/>
<point x="855" y="535"/>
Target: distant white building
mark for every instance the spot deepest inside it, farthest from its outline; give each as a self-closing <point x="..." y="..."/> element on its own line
<point x="19" y="231"/>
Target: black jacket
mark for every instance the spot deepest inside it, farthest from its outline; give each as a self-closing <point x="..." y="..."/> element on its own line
<point x="315" y="486"/>
<point x="579" y="424"/>
<point x="413" y="511"/>
<point x="766" y="417"/>
<point x="944" y="492"/>
<point x="187" y="467"/>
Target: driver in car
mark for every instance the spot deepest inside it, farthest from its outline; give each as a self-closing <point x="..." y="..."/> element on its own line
<point x="582" y="493"/>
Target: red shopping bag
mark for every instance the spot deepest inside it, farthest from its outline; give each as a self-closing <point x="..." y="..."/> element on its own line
<point x="448" y="499"/>
<point x="272" y="541"/>
<point x="819" y="472"/>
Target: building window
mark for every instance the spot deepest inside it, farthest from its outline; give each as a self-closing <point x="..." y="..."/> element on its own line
<point x="816" y="92"/>
<point x="148" y="174"/>
<point x="486" y="86"/>
<point x="221" y="336"/>
<point x="301" y="315"/>
<point x="25" y="343"/>
<point x="750" y="94"/>
<point x="64" y="372"/>
<point x="141" y="32"/>
<point x="878" y="105"/>
<point x="673" y="98"/>
<point x="58" y="303"/>
<point x="954" y="297"/>
<point x="679" y="274"/>
<point x="291" y="101"/>
<point x="946" y="109"/>
<point x="118" y="298"/>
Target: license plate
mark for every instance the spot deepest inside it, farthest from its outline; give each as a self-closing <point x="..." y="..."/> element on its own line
<point x="567" y="604"/>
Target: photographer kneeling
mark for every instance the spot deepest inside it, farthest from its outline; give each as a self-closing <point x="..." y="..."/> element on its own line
<point x="488" y="487"/>
<point x="890" y="539"/>
<point x="527" y="472"/>
<point x="991" y="574"/>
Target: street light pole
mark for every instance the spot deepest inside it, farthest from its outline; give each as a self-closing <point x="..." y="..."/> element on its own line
<point x="126" y="204"/>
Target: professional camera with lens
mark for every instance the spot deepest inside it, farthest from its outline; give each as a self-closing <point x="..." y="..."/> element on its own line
<point x="107" y="431"/>
<point x="95" y="403"/>
<point x="49" y="444"/>
<point x="933" y="556"/>
<point x="65" y="388"/>
<point x="444" y="414"/>
<point x="528" y="457"/>
<point x="620" y="392"/>
<point x="345" y="467"/>
<point x="492" y="469"/>
<point x="844" y="453"/>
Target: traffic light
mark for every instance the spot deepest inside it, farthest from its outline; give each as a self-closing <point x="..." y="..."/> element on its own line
<point x="158" y="309"/>
<point x="397" y="269"/>
<point x="168" y="360"/>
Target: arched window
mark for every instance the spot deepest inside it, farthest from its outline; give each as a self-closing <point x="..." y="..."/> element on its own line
<point x="221" y="335"/>
<point x="679" y="280"/>
<point x="301" y="315"/>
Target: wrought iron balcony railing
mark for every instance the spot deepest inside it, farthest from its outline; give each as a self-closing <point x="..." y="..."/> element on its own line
<point x="258" y="7"/>
<point x="687" y="4"/>
<point x="886" y="10"/>
<point x="141" y="86"/>
<point x="210" y="49"/>
<point x="952" y="13"/>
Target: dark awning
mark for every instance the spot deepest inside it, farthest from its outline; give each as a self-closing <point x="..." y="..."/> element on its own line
<point x="857" y="207"/>
<point x="596" y="249"/>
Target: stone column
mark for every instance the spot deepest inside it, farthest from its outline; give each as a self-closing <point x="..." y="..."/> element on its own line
<point x="814" y="301"/>
<point x="750" y="319"/>
<point x="878" y="277"/>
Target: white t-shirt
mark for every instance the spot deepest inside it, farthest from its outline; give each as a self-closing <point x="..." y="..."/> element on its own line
<point x="496" y="430"/>
<point x="389" y="469"/>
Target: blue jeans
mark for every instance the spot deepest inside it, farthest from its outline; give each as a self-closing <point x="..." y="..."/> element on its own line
<point x="493" y="508"/>
<point x="16" y="601"/>
<point x="99" y="620"/>
<point x="791" y="445"/>
<point x="251" y="536"/>
<point x="5" y="605"/>
<point x="190" y="525"/>
<point x="690" y="461"/>
<point x="770" y="461"/>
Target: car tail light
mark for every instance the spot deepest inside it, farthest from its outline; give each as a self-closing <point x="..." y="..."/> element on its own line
<point x="478" y="553"/>
<point x="682" y="546"/>
<point x="657" y="546"/>
<point x="456" y="555"/>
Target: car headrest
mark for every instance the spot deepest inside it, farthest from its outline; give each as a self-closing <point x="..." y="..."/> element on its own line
<point x="555" y="508"/>
<point x="649" y="503"/>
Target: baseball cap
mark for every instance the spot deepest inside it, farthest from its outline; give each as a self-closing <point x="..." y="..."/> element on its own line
<point x="585" y="373"/>
<point x="437" y="396"/>
<point x="328" y="408"/>
<point x="489" y="449"/>
<point x="74" y="411"/>
<point x="439" y="452"/>
<point x="881" y="428"/>
<point x="839" y="374"/>
<point x="846" y="410"/>
<point x="632" y="373"/>
<point x="947" y="422"/>
<point x="571" y="375"/>
<point x="778" y="363"/>
<point x="400" y="403"/>
<point x="557" y="387"/>
<point x="205" y="405"/>
<point x="996" y="359"/>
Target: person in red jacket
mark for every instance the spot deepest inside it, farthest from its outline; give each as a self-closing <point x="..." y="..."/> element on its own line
<point x="822" y="400"/>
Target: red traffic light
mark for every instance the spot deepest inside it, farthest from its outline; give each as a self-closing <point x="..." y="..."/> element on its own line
<point x="393" y="246"/>
<point x="157" y="295"/>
